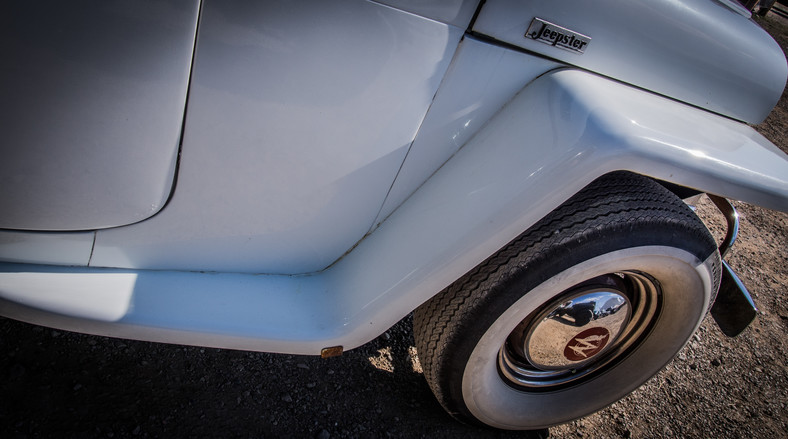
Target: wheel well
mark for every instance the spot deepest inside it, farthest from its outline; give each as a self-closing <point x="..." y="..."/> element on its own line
<point x="682" y="192"/>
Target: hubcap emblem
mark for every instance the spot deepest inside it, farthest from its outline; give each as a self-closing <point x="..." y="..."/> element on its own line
<point x="586" y="344"/>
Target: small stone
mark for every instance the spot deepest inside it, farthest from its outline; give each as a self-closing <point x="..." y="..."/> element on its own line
<point x="287" y="398"/>
<point x="324" y="434"/>
<point x="302" y="366"/>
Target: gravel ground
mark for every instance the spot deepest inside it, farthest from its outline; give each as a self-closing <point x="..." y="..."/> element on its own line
<point x="60" y="384"/>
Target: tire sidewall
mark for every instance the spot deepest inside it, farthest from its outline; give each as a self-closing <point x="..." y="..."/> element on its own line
<point x="686" y="285"/>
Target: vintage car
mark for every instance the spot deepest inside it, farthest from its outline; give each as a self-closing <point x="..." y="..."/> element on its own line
<point x="298" y="176"/>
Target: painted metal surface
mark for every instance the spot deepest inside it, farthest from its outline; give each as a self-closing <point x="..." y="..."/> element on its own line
<point x="274" y="313"/>
<point x="46" y="248"/>
<point x="557" y="135"/>
<point x="300" y="115"/>
<point x="454" y="12"/>
<point x="698" y="51"/>
<point x="93" y="95"/>
<point x="480" y="81"/>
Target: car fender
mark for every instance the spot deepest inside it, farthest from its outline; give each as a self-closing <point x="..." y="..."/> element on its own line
<point x="558" y="134"/>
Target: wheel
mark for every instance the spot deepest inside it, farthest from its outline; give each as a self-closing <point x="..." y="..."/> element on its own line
<point x="575" y="313"/>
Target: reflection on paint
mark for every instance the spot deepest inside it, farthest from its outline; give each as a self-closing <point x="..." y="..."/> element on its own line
<point x="96" y="296"/>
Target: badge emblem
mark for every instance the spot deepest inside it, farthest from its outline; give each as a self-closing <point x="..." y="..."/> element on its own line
<point x="555" y="35"/>
<point x="586" y="344"/>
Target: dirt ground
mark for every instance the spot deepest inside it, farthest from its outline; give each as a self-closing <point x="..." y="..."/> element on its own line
<point x="60" y="384"/>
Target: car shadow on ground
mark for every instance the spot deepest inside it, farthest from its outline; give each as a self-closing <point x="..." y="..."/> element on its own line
<point x="62" y="384"/>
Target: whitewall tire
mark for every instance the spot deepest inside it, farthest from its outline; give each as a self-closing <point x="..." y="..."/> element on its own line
<point x="575" y="313"/>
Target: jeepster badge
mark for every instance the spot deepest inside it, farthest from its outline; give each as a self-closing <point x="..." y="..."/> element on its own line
<point x="555" y="35"/>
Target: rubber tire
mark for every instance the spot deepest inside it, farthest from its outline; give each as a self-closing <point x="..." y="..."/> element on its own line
<point x="622" y="221"/>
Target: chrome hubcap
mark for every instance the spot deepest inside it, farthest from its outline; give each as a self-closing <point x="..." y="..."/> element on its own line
<point x="576" y="331"/>
<point x="585" y="330"/>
